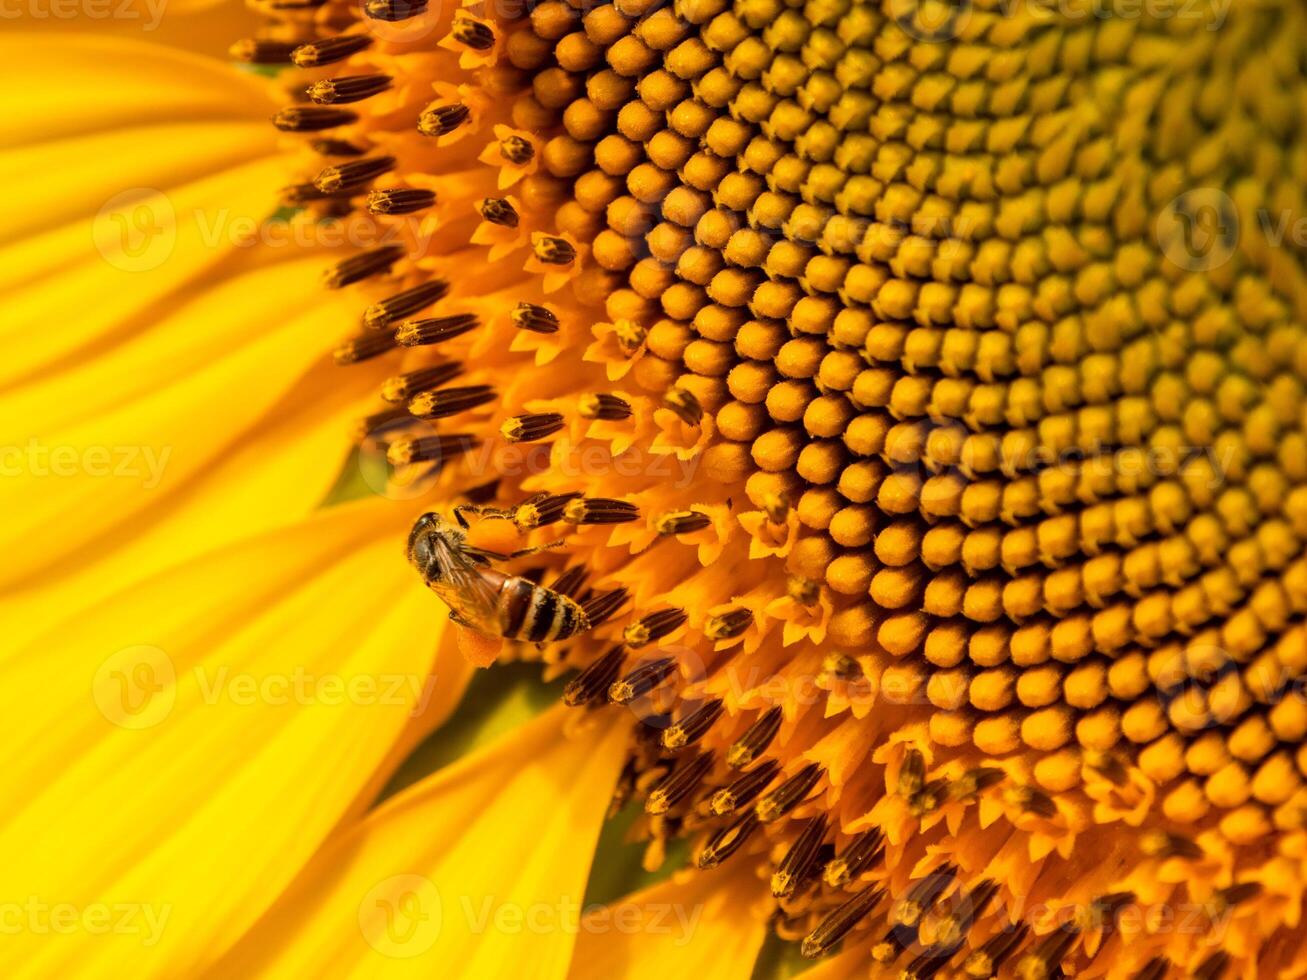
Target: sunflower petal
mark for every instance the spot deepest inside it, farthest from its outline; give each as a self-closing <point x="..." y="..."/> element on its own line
<point x="482" y="865"/>
<point x="237" y="707"/>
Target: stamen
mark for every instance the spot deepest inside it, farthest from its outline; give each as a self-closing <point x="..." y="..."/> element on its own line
<point x="1155" y="969"/>
<point x="727" y="841"/>
<point x="346" y="176"/>
<point x="929" y="961"/>
<point x="516" y="150"/>
<point x="953" y="928"/>
<point x="800" y="859"/>
<point x="329" y="50"/>
<point x="402" y="387"/>
<point x="473" y="33"/>
<point x="867" y="848"/>
<point x="642" y="680"/>
<point x="744" y="790"/>
<point x="554" y="251"/>
<point x="400" y="200"/>
<point x="600" y="510"/>
<point x="1161" y="844"/>
<point x="912" y="773"/>
<point x="839" y="923"/>
<point x="630" y="335"/>
<point x="311" y="119"/>
<point x="682" y="522"/>
<point x="542" y="511"/>
<point x="254" y="51"/>
<point x="973" y="782"/>
<point x="727" y="625"/>
<point x="498" y="211"/>
<point x="789" y="794"/>
<point x="1043" y="962"/>
<point x="653" y="627"/>
<point x="359" y="267"/>
<point x="754" y="742"/>
<point x="537" y="319"/>
<point x="336" y="148"/>
<point x="444" y="402"/>
<point x="1032" y="800"/>
<point x="531" y="428"/>
<point x="590" y="685"/>
<point x="299" y="194"/>
<point x="437" y="330"/>
<point x="693" y="726"/>
<point x="777" y="507"/>
<point x="443" y="119"/>
<point x="678" y="784"/>
<point x="362" y="348"/>
<point x="397" y="307"/>
<point x="804" y="591"/>
<point x="570" y="582"/>
<point x="598" y="609"/>
<point x="1213" y="967"/>
<point x="905" y="914"/>
<point x="354" y="88"/>
<point x="393" y="10"/>
<point x="603" y="406"/>
<point x="379" y="423"/>
<point x="685" y="405"/>
<point x="985" y="962"/>
<point x="429" y="449"/>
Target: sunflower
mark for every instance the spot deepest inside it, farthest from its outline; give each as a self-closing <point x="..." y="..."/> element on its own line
<point x="888" y="412"/>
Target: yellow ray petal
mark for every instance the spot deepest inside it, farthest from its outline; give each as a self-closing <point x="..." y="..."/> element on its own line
<point x="701" y="926"/>
<point x="478" y="870"/>
<point x="193" y="25"/>
<point x="183" y="748"/>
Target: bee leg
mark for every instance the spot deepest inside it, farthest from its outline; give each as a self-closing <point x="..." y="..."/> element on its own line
<point x="461" y="509"/>
<point x="522" y="553"/>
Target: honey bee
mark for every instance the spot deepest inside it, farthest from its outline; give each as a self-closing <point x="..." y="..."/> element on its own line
<point x="486" y="600"/>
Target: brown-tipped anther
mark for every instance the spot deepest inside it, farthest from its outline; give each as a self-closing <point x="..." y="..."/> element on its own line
<point x="429" y="449"/>
<point x="1108" y="764"/>
<point x="336" y="148"/>
<point x="952" y="929"/>
<point x="929" y="961"/>
<point x="380" y="315"/>
<point x="403" y="387"/>
<point x="473" y="33"/>
<point x="678" y="784"/>
<point x="744" y="790"/>
<point x="444" y="402"/>
<point x="630" y="335"/>
<point x="642" y="680"/>
<point x="359" y="267"/>
<point x="1044" y="961"/>
<point x="400" y="200"/>
<point x="443" y="119"/>
<point x="973" y="782"/>
<point x="516" y="150"/>
<point x="393" y="11"/>
<point x="1155" y="969"/>
<point x="386" y="422"/>
<point x="435" y="330"/>
<point x="862" y="853"/>
<point x="600" y="608"/>
<point x="254" y="51"/>
<point x="537" y="319"/>
<point x="682" y="522"/>
<point x="542" y="510"/>
<point x="295" y="195"/>
<point x="1225" y="899"/>
<point x="653" y="627"/>
<point x="592" y="683"/>
<point x="348" y="176"/>
<point x="800" y="860"/>
<point x="754" y="742"/>
<point x="908" y="910"/>
<point x="912" y="773"/>
<point x="727" y="625"/>
<point x="311" y="119"/>
<point x="802" y="590"/>
<point x="776" y="506"/>
<point x="985" y="962"/>
<point x="929" y="798"/>
<point x="603" y="406"/>
<point x="789" y="794"/>
<point x="727" y="841"/>
<point x="329" y="50"/>
<point x="362" y="348"/>
<point x="553" y="251"/>
<point x="531" y="427"/>
<point x="600" y="510"/>
<point x="1213" y="967"/>
<point x="571" y="581"/>
<point x="1158" y="843"/>
<point x="685" y="405"/>
<point x="693" y="726"/>
<point x="352" y="88"/>
<point x="840" y="922"/>
<point x="498" y="211"/>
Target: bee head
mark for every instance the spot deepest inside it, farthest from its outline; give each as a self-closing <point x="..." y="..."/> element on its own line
<point x="427" y="529"/>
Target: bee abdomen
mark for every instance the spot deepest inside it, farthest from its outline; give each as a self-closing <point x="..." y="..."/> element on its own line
<point x="532" y="612"/>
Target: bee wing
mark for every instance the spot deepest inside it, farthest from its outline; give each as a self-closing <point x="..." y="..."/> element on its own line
<point x="466" y="590"/>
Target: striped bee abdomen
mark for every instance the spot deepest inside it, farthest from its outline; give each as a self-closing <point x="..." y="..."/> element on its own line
<point x="532" y="612"/>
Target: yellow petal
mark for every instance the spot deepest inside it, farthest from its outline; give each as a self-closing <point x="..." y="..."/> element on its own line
<point x="478" y="870"/>
<point x="701" y="926"/>
<point x="179" y="751"/>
